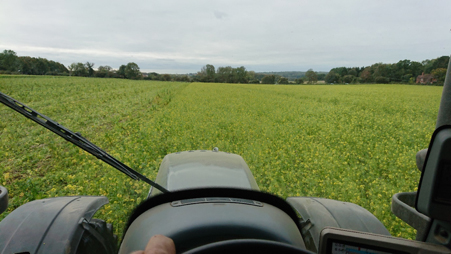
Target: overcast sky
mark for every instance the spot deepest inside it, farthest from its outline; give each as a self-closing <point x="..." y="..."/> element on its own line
<point x="182" y="36"/>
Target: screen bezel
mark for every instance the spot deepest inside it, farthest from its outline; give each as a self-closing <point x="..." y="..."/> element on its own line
<point x="332" y="240"/>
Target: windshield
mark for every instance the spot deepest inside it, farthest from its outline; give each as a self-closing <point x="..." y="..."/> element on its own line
<point x="321" y="99"/>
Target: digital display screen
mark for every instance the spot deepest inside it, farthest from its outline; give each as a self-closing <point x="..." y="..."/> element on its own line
<point x="342" y="247"/>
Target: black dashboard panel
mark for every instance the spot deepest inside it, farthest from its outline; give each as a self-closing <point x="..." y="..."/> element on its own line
<point x="341" y="241"/>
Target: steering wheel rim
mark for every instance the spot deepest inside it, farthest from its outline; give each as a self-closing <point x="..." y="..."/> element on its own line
<point x="247" y="246"/>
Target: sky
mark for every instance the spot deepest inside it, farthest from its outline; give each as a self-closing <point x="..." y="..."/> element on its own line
<point x="178" y="37"/>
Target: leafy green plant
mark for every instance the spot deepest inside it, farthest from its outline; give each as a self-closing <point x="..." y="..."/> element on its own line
<point x="350" y="143"/>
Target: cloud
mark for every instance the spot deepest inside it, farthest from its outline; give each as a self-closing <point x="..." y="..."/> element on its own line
<point x="260" y="35"/>
<point x="220" y="14"/>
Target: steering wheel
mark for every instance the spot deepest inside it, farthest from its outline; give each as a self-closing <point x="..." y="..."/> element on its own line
<point x="247" y="246"/>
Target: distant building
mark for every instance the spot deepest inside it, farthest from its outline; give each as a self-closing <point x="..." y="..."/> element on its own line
<point x="426" y="79"/>
<point x="145" y="75"/>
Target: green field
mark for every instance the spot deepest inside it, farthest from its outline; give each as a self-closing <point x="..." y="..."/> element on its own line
<point x="353" y="143"/>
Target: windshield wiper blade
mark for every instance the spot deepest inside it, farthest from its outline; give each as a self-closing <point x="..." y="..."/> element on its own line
<point x="76" y="139"/>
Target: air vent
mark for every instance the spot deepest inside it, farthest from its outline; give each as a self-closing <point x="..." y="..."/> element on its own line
<point x="193" y="201"/>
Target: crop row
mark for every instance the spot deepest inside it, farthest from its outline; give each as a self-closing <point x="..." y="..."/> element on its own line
<point x="350" y="143"/>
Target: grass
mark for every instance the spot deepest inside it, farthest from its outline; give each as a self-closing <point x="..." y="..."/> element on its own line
<point x="351" y="143"/>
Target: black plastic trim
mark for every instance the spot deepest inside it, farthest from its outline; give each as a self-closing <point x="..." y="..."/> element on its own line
<point x="215" y="200"/>
<point x="3" y="199"/>
<point x="402" y="207"/>
<point x="247" y="246"/>
<point x="213" y="193"/>
<point x="427" y="157"/>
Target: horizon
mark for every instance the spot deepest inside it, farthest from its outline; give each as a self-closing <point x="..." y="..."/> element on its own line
<point x="193" y="73"/>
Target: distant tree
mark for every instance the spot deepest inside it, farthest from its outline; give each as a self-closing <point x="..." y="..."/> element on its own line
<point x="341" y="71"/>
<point x="366" y="75"/>
<point x="55" y="68"/>
<point x="332" y="78"/>
<point x="240" y="75"/>
<point x="416" y="68"/>
<point x="71" y="68"/>
<point x="8" y="60"/>
<point x="347" y="79"/>
<point x="439" y="74"/>
<point x="250" y="76"/>
<point x="121" y="71"/>
<point x="299" y="81"/>
<point x="403" y="71"/>
<point x="225" y="74"/>
<point x="440" y="62"/>
<point x="184" y="78"/>
<point x="381" y="80"/>
<point x="260" y="75"/>
<point x="381" y="70"/>
<point x="26" y="65"/>
<point x="311" y="76"/>
<point x="78" y="69"/>
<point x="211" y="72"/>
<point x="427" y="64"/>
<point x="89" y="69"/>
<point x="207" y="73"/>
<point x="321" y="76"/>
<point x="132" y="71"/>
<point x="290" y="75"/>
<point x="269" y="79"/>
<point x="406" y="78"/>
<point x="166" y="77"/>
<point x="42" y="67"/>
<point x="104" y="71"/>
<point x="283" y="80"/>
<point x="154" y="76"/>
<point x="352" y="72"/>
<point x="356" y="80"/>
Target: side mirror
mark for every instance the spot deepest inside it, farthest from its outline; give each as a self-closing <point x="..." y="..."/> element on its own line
<point x="3" y="199"/>
<point x="434" y="190"/>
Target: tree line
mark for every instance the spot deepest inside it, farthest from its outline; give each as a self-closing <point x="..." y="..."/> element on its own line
<point x="10" y="63"/>
<point x="129" y="71"/>
<point x="309" y="77"/>
<point x="404" y="71"/>
<point x="290" y="75"/>
<point x="430" y="71"/>
<point x="228" y="74"/>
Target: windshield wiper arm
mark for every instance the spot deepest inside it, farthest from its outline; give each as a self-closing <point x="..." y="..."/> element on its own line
<point x="76" y="139"/>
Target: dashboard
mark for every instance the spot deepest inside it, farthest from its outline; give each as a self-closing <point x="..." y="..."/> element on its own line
<point x="344" y="241"/>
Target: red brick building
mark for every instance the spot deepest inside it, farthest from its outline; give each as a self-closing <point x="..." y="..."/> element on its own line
<point x="426" y="79"/>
